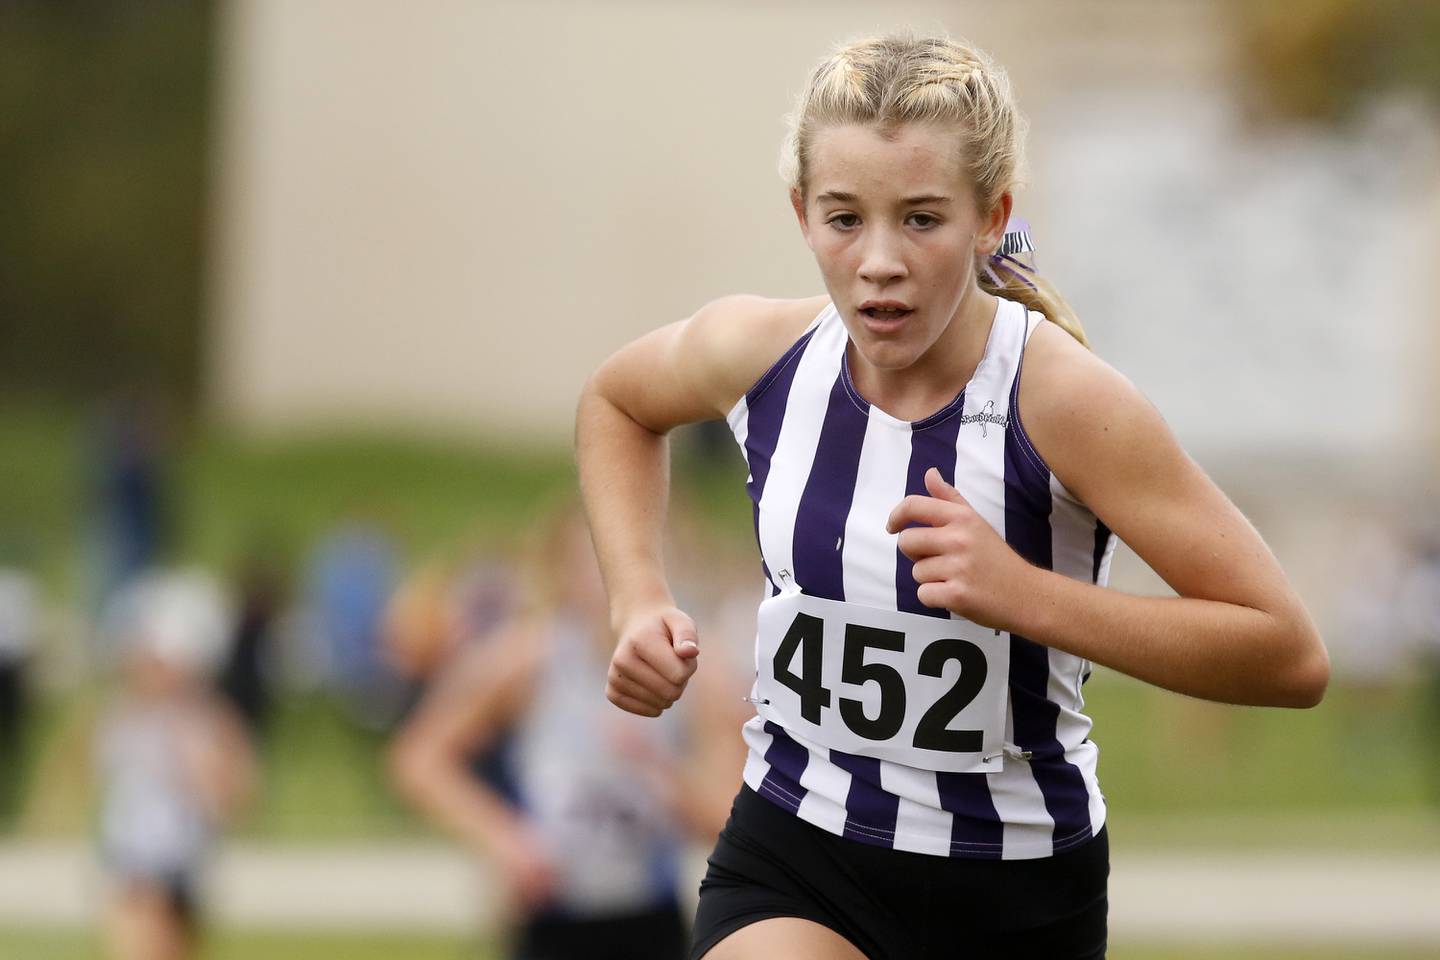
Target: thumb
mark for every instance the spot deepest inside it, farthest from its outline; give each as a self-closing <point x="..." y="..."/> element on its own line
<point x="683" y="637"/>
<point x="938" y="488"/>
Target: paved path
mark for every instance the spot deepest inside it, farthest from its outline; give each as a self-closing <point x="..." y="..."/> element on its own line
<point x="1293" y="897"/>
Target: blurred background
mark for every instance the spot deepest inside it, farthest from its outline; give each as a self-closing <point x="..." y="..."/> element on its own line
<point x="296" y="299"/>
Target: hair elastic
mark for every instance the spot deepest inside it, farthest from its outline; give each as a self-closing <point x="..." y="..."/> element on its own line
<point x="1015" y="241"/>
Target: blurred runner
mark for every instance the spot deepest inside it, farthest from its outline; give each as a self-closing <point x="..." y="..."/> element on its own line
<point x="174" y="762"/>
<point x="588" y="846"/>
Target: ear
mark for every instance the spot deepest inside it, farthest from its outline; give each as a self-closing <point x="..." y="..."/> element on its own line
<point x="797" y="201"/>
<point x="992" y="225"/>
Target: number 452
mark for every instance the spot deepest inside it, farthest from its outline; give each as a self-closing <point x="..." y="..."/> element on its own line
<point x="807" y="636"/>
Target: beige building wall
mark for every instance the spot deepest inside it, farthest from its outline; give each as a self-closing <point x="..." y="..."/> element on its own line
<point x="443" y="215"/>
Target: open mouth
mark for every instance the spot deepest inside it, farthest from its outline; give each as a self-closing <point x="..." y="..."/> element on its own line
<point x="884" y="315"/>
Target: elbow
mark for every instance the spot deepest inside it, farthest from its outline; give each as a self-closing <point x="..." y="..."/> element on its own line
<point x="409" y="767"/>
<point x="1309" y="673"/>
<point x="1314" y="682"/>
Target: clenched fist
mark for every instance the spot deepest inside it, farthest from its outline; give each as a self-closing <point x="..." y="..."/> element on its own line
<point x="653" y="661"/>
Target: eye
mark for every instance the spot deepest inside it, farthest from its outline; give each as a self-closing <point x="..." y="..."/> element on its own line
<point x="844" y="221"/>
<point x="923" y="220"/>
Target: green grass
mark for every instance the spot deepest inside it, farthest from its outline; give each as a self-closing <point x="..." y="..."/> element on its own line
<point x="1164" y="753"/>
<point x="325" y="781"/>
<point x="431" y="496"/>
<point x="42" y="466"/>
<point x="232" y="494"/>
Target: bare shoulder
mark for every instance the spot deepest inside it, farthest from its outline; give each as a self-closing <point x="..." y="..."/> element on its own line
<point x="741" y="336"/>
<point x="1086" y="419"/>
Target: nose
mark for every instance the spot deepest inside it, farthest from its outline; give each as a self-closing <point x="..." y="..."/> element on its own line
<point x="882" y="261"/>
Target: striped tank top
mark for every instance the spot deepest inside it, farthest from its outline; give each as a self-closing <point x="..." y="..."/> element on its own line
<point x="825" y="470"/>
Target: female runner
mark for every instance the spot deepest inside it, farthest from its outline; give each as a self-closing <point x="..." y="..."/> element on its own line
<point x="935" y="532"/>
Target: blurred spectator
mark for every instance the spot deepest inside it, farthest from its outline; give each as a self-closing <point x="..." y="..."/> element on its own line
<point x="173" y="759"/>
<point x="352" y="575"/>
<point x="130" y="492"/>
<point x="246" y="678"/>
<point x="588" y="851"/>
<point x="19" y="628"/>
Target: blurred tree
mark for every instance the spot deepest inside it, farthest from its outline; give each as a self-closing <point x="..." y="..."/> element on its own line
<point x="1319" y="60"/>
<point x="103" y="162"/>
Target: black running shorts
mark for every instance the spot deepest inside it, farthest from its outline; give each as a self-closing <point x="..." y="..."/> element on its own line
<point x="898" y="905"/>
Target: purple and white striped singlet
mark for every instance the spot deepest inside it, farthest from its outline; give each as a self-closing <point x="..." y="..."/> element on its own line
<point x="826" y="468"/>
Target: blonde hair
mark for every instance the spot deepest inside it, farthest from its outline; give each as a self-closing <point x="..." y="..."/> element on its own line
<point x="890" y="81"/>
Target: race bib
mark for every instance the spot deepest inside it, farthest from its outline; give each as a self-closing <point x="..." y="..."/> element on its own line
<point x="923" y="691"/>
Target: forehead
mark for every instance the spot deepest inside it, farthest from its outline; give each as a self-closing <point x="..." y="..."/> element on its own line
<point x="873" y="162"/>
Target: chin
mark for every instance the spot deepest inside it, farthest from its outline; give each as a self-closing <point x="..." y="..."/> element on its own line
<point x="887" y="354"/>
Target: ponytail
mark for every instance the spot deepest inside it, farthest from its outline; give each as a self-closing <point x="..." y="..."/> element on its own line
<point x="1003" y="274"/>
<point x="1022" y="284"/>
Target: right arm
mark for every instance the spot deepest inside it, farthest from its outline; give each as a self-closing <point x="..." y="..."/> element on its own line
<point x="692" y="370"/>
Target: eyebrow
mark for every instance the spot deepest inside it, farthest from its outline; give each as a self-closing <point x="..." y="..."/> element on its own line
<point x="839" y="196"/>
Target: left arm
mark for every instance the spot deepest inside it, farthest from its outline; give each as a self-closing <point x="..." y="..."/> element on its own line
<point x="1236" y="633"/>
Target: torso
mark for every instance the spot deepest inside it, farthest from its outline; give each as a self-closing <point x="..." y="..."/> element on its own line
<point x="151" y="821"/>
<point x="608" y="833"/>
<point x="826" y="468"/>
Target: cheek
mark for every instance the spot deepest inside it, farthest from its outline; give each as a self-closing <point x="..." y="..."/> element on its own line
<point x="833" y="251"/>
<point x="948" y="268"/>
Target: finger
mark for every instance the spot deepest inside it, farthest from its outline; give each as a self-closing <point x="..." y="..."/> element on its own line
<point x="644" y="675"/>
<point x="657" y="652"/>
<point x="631" y="705"/>
<point x="932" y="595"/>
<point x="635" y="691"/>
<point x="642" y="691"/>
<point x="930" y="570"/>
<point x="661" y="693"/>
<point x="938" y="487"/>
<point x="683" y="637"/>
<point x="917" y="543"/>
<point x="917" y="509"/>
